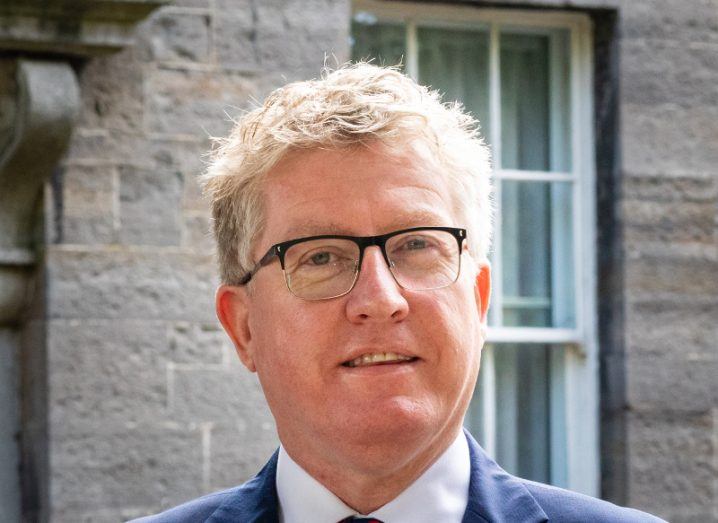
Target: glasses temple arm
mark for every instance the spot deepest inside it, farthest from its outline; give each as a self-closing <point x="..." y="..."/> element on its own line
<point x="264" y="260"/>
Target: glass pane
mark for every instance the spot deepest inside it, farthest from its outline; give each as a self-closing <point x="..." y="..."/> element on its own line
<point x="385" y="43"/>
<point x="456" y="62"/>
<point x="528" y="411"/>
<point x="534" y="102"/>
<point x="537" y="254"/>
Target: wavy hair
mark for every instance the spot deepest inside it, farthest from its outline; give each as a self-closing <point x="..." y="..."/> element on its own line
<point x="352" y="106"/>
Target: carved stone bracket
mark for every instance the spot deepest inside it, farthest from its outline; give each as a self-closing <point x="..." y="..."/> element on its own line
<point x="39" y="100"/>
<point x="71" y="27"/>
<point x="40" y="103"/>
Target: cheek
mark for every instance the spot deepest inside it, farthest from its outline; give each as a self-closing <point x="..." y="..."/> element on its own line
<point x="455" y="331"/>
<point x="288" y="344"/>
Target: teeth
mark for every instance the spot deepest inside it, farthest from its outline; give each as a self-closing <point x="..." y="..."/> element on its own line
<point x="379" y="357"/>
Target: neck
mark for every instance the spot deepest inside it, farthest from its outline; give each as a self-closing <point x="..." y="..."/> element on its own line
<point x="365" y="485"/>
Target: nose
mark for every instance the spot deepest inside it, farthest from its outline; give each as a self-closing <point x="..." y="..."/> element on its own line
<point x="376" y="296"/>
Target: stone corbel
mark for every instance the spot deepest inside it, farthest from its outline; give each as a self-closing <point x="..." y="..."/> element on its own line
<point x="39" y="103"/>
<point x="71" y="27"/>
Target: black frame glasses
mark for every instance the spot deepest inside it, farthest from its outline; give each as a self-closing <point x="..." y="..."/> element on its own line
<point x="279" y="250"/>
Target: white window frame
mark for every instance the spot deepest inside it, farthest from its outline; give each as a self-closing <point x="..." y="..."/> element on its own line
<point x="578" y="385"/>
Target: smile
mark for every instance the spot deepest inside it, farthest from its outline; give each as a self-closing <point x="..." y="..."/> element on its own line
<point x="377" y="358"/>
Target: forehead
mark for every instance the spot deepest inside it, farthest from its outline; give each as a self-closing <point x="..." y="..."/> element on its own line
<point x="360" y="191"/>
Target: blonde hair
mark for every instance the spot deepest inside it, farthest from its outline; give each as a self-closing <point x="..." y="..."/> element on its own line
<point x="352" y="106"/>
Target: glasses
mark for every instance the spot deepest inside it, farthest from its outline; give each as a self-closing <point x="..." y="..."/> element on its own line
<point x="327" y="266"/>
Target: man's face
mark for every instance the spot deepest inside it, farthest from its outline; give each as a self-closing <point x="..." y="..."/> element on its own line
<point x="378" y="416"/>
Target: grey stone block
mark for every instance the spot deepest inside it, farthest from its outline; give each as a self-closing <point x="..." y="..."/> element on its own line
<point x="106" y="373"/>
<point x="239" y="449"/>
<point x="105" y="148"/>
<point x="302" y="58"/>
<point x="109" y="148"/>
<point x="125" y="469"/>
<point x="324" y="33"/>
<point x="314" y="15"/>
<point x="196" y="103"/>
<point x="658" y="72"/>
<point x="670" y="189"/>
<point x="193" y="199"/>
<point x="671" y="462"/>
<point x="662" y="278"/>
<point x="112" y="93"/>
<point x="197" y="235"/>
<point x="241" y="12"/>
<point x="674" y="249"/>
<point x="184" y="156"/>
<point x="89" y="196"/>
<point x="130" y="284"/>
<point x="175" y="37"/>
<point x="669" y="220"/>
<point x="695" y="21"/>
<point x="235" y="34"/>
<point x="201" y="394"/>
<point x="669" y="140"/>
<point x="289" y="37"/>
<point x="198" y="343"/>
<point x="684" y="380"/>
<point x="149" y="206"/>
<point x="688" y="329"/>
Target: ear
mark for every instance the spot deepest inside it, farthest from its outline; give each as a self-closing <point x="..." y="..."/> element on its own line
<point x="232" y="305"/>
<point x="482" y="291"/>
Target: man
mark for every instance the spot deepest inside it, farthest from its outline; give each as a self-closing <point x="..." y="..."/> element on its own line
<point x="352" y="216"/>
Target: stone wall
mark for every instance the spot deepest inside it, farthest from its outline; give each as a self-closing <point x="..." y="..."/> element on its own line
<point x="146" y="403"/>
<point x="669" y="210"/>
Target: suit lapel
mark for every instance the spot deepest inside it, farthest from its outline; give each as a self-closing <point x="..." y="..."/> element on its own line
<point x="256" y="501"/>
<point x="494" y="495"/>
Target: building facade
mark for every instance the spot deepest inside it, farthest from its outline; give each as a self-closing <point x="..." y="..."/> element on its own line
<point x="121" y="393"/>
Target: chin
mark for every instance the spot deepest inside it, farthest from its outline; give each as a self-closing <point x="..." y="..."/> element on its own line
<point x="399" y="421"/>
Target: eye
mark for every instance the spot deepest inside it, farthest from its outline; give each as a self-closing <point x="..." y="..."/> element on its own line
<point x="319" y="258"/>
<point x="415" y="244"/>
<point x="322" y="257"/>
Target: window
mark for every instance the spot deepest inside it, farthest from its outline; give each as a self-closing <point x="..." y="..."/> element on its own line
<point x="527" y="77"/>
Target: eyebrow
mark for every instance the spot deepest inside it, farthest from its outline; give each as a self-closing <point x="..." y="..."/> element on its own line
<point x="418" y="218"/>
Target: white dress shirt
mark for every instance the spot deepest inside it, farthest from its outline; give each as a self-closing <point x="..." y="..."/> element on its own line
<point x="439" y="494"/>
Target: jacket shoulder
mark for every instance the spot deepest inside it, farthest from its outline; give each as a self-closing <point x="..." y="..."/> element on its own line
<point x="562" y="505"/>
<point x="199" y="509"/>
<point x="254" y="501"/>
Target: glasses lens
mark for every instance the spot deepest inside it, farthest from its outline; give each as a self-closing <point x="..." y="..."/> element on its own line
<point x="425" y="259"/>
<point x="321" y="269"/>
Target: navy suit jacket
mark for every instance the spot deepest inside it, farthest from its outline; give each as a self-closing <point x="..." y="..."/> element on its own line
<point x="494" y="496"/>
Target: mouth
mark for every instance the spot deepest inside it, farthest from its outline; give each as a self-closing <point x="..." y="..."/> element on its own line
<point x="378" y="358"/>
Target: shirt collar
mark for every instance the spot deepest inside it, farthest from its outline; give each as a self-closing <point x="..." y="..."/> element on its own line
<point x="439" y="494"/>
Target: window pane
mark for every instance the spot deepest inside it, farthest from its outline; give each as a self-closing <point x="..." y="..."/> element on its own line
<point x="537" y="254"/>
<point x="528" y="410"/>
<point x="534" y="102"/>
<point x="456" y="62"/>
<point x="386" y="43"/>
